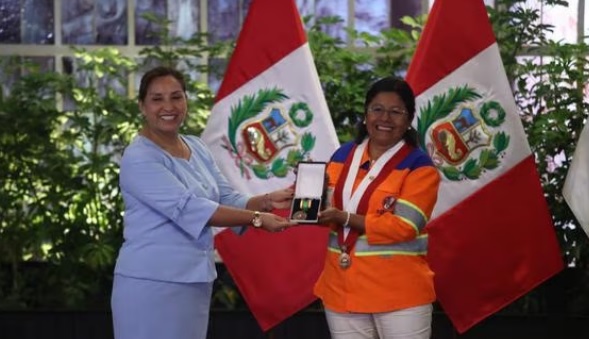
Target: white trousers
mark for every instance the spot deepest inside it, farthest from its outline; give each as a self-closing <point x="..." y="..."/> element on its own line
<point x="409" y="323"/>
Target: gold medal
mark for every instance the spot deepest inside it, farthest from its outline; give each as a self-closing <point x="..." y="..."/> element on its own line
<point x="299" y="215"/>
<point x="345" y="260"/>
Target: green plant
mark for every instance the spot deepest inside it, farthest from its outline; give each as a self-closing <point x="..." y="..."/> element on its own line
<point x="555" y="110"/>
<point x="549" y="87"/>
<point x="192" y="56"/>
<point x="60" y="199"/>
<point x="346" y="72"/>
<point x="31" y="163"/>
<point x="61" y="139"/>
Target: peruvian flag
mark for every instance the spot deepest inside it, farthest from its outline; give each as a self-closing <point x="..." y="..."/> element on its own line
<point x="270" y="114"/>
<point x="491" y="237"/>
<point x="576" y="185"/>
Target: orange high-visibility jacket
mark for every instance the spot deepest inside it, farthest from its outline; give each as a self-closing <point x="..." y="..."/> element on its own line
<point x="388" y="270"/>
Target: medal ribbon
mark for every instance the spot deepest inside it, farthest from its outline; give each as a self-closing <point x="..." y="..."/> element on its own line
<point x="368" y="185"/>
<point x="305" y="204"/>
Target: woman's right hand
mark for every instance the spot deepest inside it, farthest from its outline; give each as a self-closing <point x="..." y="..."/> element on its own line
<point x="274" y="223"/>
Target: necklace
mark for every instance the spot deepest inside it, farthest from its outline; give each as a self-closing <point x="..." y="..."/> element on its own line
<point x="179" y="150"/>
<point x="184" y="150"/>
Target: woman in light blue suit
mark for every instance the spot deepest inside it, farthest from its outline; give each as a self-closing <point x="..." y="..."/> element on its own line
<point x="173" y="192"/>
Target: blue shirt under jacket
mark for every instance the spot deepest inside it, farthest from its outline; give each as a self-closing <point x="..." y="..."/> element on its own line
<point x="168" y="202"/>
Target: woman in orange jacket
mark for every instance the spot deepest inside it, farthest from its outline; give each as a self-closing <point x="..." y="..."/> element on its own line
<point x="376" y="282"/>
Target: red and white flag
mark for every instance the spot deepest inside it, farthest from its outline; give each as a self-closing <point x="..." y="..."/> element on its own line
<point x="576" y="186"/>
<point x="269" y="114"/>
<point x="491" y="237"/>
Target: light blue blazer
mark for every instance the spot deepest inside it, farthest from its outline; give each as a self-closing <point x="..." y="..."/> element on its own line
<point x="168" y="202"/>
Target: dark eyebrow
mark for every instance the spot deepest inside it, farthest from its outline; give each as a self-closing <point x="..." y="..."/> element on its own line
<point x="391" y="107"/>
<point x="160" y="94"/>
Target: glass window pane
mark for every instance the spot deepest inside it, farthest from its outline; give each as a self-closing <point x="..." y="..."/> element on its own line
<point x="401" y="8"/>
<point x="306" y="7"/>
<point x="38" y="22"/>
<point x="9" y="73"/>
<point x="185" y="18"/>
<point x="338" y="8"/>
<point x="101" y="22"/>
<point x="564" y="19"/>
<point x="245" y="6"/>
<point x="215" y="78"/>
<point x="78" y="22"/>
<point x="223" y="19"/>
<point x="13" y="67"/>
<point x="586" y="18"/>
<point x="40" y="64"/>
<point x="10" y="21"/>
<point x="111" y="22"/>
<point x="88" y="78"/>
<point x="372" y="16"/>
<point x="145" y="30"/>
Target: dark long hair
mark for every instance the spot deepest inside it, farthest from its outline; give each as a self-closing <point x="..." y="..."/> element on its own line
<point x="157" y="72"/>
<point x="394" y="85"/>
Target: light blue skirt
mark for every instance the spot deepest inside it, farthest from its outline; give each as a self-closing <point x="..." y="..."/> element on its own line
<point x="146" y="309"/>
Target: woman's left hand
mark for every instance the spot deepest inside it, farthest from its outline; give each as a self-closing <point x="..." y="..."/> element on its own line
<point x="280" y="199"/>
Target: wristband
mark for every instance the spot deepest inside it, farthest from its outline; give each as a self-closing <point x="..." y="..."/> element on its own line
<point x="346" y="224"/>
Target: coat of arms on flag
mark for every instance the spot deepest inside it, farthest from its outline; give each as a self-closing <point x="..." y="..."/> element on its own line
<point x="269" y="114"/>
<point x="491" y="199"/>
<point x="457" y="127"/>
<point x="270" y="144"/>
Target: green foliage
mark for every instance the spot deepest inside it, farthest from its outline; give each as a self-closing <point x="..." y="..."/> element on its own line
<point x="551" y="97"/>
<point x="550" y="94"/>
<point x="189" y="56"/>
<point x="30" y="165"/>
<point x="555" y="109"/>
<point x="346" y="71"/>
<point x="61" y="137"/>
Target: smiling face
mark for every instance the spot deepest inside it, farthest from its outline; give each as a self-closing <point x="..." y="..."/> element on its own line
<point x="164" y="105"/>
<point x="387" y="119"/>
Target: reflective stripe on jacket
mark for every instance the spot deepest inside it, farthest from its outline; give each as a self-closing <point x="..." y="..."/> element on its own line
<point x="388" y="270"/>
